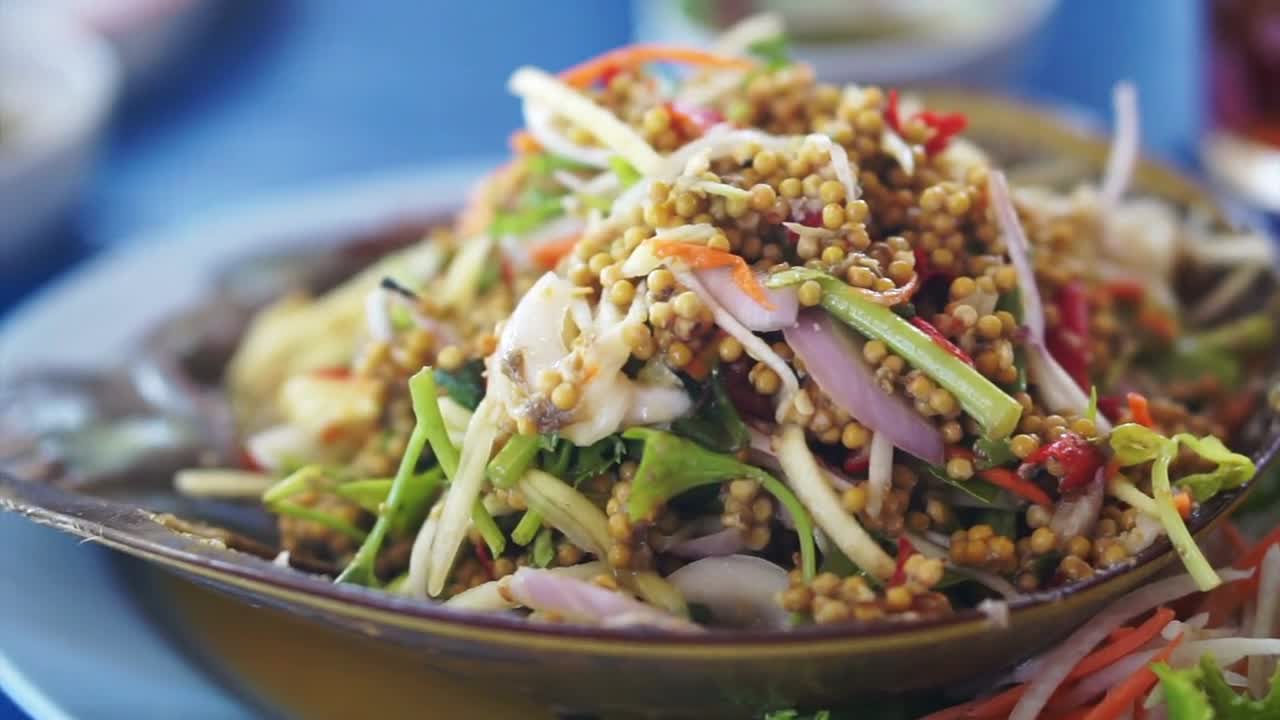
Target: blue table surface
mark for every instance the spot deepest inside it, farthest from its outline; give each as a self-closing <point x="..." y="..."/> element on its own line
<point x="280" y="94"/>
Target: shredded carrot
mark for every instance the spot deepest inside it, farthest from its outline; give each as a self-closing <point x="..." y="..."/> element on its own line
<point x="1121" y="697"/>
<point x="1139" y="409"/>
<point x="1119" y="633"/>
<point x="1144" y="633"/>
<point x="631" y="56"/>
<point x="547" y="255"/>
<point x="1182" y="502"/>
<point x="522" y="142"/>
<point x="701" y="257"/>
<point x="1016" y="484"/>
<point x="999" y="706"/>
<point x="1006" y="479"/>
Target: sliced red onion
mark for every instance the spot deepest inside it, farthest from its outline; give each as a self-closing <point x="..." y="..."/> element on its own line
<point x="834" y="362"/>
<point x="583" y="601"/>
<point x="1053" y="667"/>
<point x="1125" y="143"/>
<point x="740" y="590"/>
<point x="1057" y="389"/>
<point x="1015" y="241"/>
<point x="718" y="544"/>
<point x="752" y="345"/>
<point x="758" y="318"/>
<point x="1077" y="514"/>
<point x="879" y="473"/>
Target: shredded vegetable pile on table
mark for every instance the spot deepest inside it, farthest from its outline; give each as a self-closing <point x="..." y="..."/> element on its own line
<point x="723" y="345"/>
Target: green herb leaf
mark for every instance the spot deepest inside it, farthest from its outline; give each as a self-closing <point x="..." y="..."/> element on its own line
<point x="465" y="385"/>
<point x="774" y="52"/>
<point x="534" y="208"/>
<point x="1135" y="444"/>
<point x="670" y="465"/>
<point x="1202" y="693"/>
<point x="597" y="458"/>
<point x="977" y="488"/>
<point x="627" y="175"/>
<point x="714" y="422"/>
<point x="1183" y="697"/>
<point x="1233" y="469"/>
<point x="993" y="453"/>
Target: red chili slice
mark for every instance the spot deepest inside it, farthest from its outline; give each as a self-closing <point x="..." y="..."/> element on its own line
<point x="891" y="111"/>
<point x="1079" y="458"/>
<point x="905" y="551"/>
<point x="693" y="120"/>
<point x="940" y="340"/>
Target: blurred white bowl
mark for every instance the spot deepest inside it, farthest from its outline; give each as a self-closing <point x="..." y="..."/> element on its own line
<point x="57" y="83"/>
<point x="974" y="43"/>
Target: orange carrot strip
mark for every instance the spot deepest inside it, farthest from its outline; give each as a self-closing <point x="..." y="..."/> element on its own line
<point x="701" y="257"/>
<point x="631" y="56"/>
<point x="998" y="706"/>
<point x="1006" y="479"/>
<point x="1138" y="408"/>
<point x="1182" y="501"/>
<point x="548" y="254"/>
<point x="1126" y="645"/>
<point x="1121" y="697"/>
<point x="1119" y="633"/>
<point x="522" y="142"/>
<point x="1014" y="483"/>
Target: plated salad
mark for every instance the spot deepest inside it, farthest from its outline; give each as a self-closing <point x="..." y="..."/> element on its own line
<point x="726" y="346"/>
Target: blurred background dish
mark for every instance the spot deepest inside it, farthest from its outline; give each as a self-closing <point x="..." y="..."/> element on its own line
<point x="1242" y="148"/>
<point x="889" y="42"/>
<point x="148" y="35"/>
<point x="57" y="83"/>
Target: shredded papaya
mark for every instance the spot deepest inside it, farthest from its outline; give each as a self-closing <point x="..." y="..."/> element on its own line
<point x="1140" y="410"/>
<point x="701" y="257"/>
<point x="1131" y="642"/>
<point x="632" y="56"/>
<point x="999" y="705"/>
